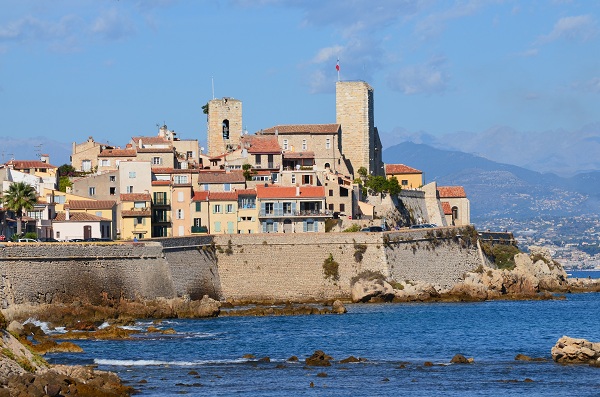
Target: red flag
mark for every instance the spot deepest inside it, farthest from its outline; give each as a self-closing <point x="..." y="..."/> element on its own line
<point x="337" y="65"/>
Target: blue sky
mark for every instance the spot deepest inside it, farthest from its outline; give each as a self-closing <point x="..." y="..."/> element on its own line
<point x="114" y="69"/>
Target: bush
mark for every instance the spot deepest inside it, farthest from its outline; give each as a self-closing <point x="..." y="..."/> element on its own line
<point x="354" y="228"/>
<point x="367" y="275"/>
<point x="359" y="250"/>
<point x="331" y="268"/>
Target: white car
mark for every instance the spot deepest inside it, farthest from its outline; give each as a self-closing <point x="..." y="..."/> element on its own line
<point x="28" y="240"/>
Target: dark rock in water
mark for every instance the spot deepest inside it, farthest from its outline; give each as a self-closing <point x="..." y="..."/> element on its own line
<point x="338" y="307"/>
<point x="293" y="359"/>
<point x="248" y="356"/>
<point x="352" y="359"/>
<point x="264" y="360"/>
<point x="32" y="329"/>
<point x="523" y="357"/>
<point x="319" y="359"/>
<point x="193" y="372"/>
<point x="460" y="359"/>
<point x="428" y="364"/>
<point x="527" y="380"/>
<point x="280" y="366"/>
<point x="311" y="384"/>
<point x="322" y="375"/>
<point x="385" y="380"/>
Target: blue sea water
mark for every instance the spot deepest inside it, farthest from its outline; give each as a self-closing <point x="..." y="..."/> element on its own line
<point x="205" y="357"/>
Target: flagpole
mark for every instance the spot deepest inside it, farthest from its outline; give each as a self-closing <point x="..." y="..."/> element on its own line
<point x="337" y="67"/>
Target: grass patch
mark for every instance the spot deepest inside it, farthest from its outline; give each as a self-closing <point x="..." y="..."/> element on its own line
<point x="331" y="268"/>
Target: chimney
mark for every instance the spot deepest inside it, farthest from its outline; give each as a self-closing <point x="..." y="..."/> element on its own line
<point x="45" y="158"/>
<point x="297" y="190"/>
<point x="67" y="214"/>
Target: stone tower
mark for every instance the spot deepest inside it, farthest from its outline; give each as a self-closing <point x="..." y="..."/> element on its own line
<point x="360" y="140"/>
<point x="224" y="125"/>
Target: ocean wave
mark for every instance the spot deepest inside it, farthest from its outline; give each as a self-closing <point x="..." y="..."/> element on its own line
<point x="45" y="327"/>
<point x="147" y="363"/>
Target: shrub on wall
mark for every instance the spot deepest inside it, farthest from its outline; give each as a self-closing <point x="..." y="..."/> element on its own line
<point x="331" y="268"/>
<point x="354" y="228"/>
<point x="359" y="250"/>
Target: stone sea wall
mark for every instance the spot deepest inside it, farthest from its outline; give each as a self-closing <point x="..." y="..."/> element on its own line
<point x="239" y="267"/>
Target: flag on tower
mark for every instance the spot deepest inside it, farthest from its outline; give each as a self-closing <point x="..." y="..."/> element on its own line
<point x="337" y="65"/>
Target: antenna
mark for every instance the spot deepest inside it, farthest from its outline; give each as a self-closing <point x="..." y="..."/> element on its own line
<point x="38" y="150"/>
<point x="212" y="81"/>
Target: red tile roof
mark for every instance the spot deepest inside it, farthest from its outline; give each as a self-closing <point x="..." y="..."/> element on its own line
<point x="78" y="217"/>
<point x="303" y="129"/>
<point x="261" y="144"/>
<point x="117" y="153"/>
<point x="27" y="164"/>
<point x="156" y="150"/>
<point x="136" y="197"/>
<point x="90" y="204"/>
<point x="221" y="177"/>
<point x="393" y="169"/>
<point x="222" y="196"/>
<point x="151" y="140"/>
<point x="161" y="183"/>
<point x="446" y="207"/>
<point x="200" y="196"/>
<point x="246" y="192"/>
<point x="299" y="155"/>
<point x="128" y="213"/>
<point x="451" y="191"/>
<point x="290" y="192"/>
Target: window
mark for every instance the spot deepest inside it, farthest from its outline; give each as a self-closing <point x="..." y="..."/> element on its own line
<point x="307" y="179"/>
<point x="309" y="226"/>
<point x="86" y="165"/>
<point x="206" y="187"/>
<point x="258" y="159"/>
<point x="156" y="160"/>
<point x="285" y="144"/>
<point x="131" y="174"/>
<point x="330" y="192"/>
<point x="293" y="178"/>
<point x="217" y="209"/>
<point x="247" y="202"/>
<point x="227" y="187"/>
<point x="217" y="226"/>
<point x="112" y="191"/>
<point x="99" y="213"/>
<point x="229" y="208"/>
<point x="197" y="222"/>
<point x="190" y="154"/>
<point x="112" y="178"/>
<point x="105" y="163"/>
<point x="404" y="182"/>
<point x="179" y="179"/>
<point x="342" y="207"/>
<point x="129" y="189"/>
<point x="60" y="199"/>
<point x="328" y="143"/>
<point x="229" y="227"/>
<point x="180" y="197"/>
<point x="268" y="208"/>
<point x="179" y="214"/>
<point x="91" y="190"/>
<point x="198" y="206"/>
<point x="275" y="177"/>
<point x="138" y="220"/>
<point x="304" y="145"/>
<point x="287" y="208"/>
<point x="139" y="204"/>
<point x="330" y="206"/>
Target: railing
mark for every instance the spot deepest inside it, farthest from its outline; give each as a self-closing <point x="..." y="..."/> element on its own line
<point x="303" y="213"/>
<point x="164" y="201"/>
<point x="161" y="219"/>
<point x="199" y="229"/>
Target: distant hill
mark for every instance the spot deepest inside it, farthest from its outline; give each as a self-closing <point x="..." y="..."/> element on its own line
<point x="501" y="190"/>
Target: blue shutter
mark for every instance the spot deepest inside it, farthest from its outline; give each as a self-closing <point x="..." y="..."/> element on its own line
<point x="275" y="226"/>
<point x="293" y="208"/>
<point x="262" y="208"/>
<point x="316" y="226"/>
<point x="304" y="226"/>
<point x="264" y="226"/>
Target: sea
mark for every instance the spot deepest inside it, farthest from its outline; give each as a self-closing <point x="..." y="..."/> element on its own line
<point x="407" y="349"/>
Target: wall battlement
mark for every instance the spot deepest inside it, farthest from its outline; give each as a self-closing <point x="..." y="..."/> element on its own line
<point x="237" y="267"/>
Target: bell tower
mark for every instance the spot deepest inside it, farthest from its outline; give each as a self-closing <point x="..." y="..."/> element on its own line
<point x="224" y="125"/>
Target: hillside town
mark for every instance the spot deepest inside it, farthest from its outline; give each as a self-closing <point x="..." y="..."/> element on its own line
<point x="302" y="178"/>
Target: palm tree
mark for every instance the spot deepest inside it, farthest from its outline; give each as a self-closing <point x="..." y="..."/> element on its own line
<point x="19" y="196"/>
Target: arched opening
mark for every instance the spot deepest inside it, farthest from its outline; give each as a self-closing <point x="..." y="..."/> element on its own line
<point x="226" y="129"/>
<point x="287" y="226"/>
<point x="327" y="165"/>
<point x="454" y="214"/>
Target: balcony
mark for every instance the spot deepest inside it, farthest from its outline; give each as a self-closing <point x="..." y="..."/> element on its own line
<point x="296" y="214"/>
<point x="161" y="202"/>
<point x="161" y="219"/>
<point x="199" y="229"/>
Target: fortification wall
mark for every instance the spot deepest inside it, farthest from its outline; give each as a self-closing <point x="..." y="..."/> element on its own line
<point x="51" y="273"/>
<point x="435" y="256"/>
<point x="290" y="267"/>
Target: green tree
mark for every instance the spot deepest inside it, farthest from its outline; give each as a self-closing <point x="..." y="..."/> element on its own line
<point x="19" y="196"/>
<point x="205" y="108"/>
<point x="63" y="183"/>
<point x="393" y="187"/>
<point x="247" y="171"/>
<point x="362" y="171"/>
<point x="67" y="170"/>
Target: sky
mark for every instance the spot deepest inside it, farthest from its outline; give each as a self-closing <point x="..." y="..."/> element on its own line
<point x="113" y="69"/>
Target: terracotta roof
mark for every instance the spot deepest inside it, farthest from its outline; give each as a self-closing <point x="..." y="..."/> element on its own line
<point x="90" y="204"/>
<point x="136" y="197"/>
<point x="290" y="192"/>
<point x="221" y="177"/>
<point x="222" y="196"/>
<point x="393" y="169"/>
<point x="246" y="192"/>
<point x="200" y="196"/>
<point x="161" y="183"/>
<point x="78" y="217"/>
<point x="155" y="150"/>
<point x="446" y="207"/>
<point x="151" y="140"/>
<point x="451" y="191"/>
<point x="117" y="153"/>
<point x="303" y="129"/>
<point x="167" y="170"/>
<point x="26" y="164"/>
<point x="261" y="144"/>
<point x="299" y="155"/>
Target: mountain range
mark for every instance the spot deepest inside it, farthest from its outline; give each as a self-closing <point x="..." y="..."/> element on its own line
<point x="501" y="190"/>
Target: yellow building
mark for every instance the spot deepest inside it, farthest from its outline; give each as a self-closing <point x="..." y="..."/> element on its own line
<point x="223" y="212"/>
<point x="136" y="216"/>
<point x="247" y="211"/>
<point x="408" y="177"/>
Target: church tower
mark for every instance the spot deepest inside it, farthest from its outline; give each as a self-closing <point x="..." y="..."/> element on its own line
<point x="224" y="125"/>
<point x="360" y="141"/>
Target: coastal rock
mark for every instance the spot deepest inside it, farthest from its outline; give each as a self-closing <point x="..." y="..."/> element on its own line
<point x="208" y="307"/>
<point x="416" y="291"/>
<point x="365" y="290"/>
<point x="319" y="359"/>
<point x="575" y="351"/>
<point x="16" y="328"/>
<point x="338" y="307"/>
<point x="460" y="359"/>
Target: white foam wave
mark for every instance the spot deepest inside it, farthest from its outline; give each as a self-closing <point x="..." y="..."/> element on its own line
<point x="45" y="327"/>
<point x="146" y="363"/>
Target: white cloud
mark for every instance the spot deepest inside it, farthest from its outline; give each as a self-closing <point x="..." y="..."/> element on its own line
<point x="580" y="28"/>
<point x="112" y="25"/>
<point x="328" y="53"/>
<point x="434" y="24"/>
<point x="592" y="85"/>
<point x="30" y="28"/>
<point x="427" y="78"/>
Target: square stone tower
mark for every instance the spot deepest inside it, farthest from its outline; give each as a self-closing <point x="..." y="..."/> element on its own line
<point x="360" y="141"/>
<point x="224" y="125"/>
